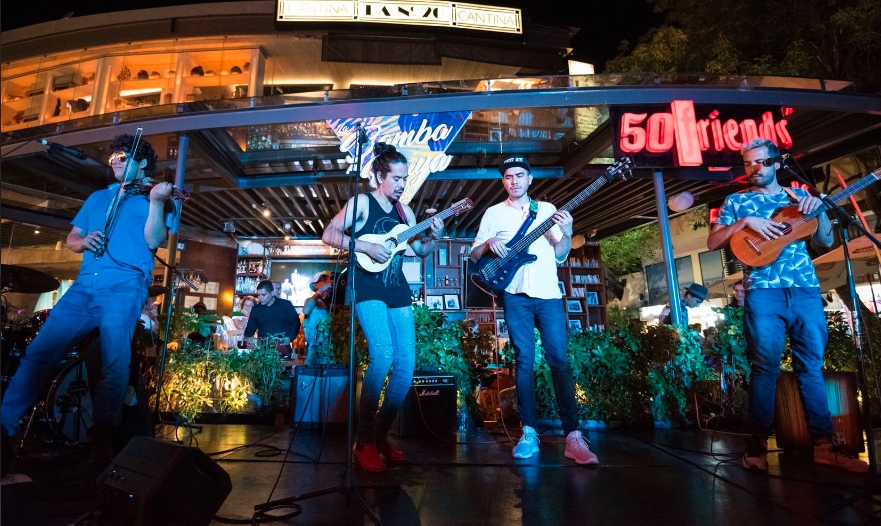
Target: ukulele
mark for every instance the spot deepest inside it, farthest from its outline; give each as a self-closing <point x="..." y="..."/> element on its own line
<point x="397" y="238"/>
<point x="752" y="249"/>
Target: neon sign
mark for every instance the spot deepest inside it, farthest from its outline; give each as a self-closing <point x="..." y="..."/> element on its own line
<point x="679" y="138"/>
<point x="413" y="12"/>
<point x="422" y="138"/>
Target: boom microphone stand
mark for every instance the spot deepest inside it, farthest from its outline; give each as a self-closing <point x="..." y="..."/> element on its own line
<point x="844" y="220"/>
<point x="347" y="484"/>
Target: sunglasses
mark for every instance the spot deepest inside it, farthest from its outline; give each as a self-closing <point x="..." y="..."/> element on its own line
<point x="117" y="157"/>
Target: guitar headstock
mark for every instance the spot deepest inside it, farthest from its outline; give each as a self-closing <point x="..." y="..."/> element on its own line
<point x="462" y="206"/>
<point x="621" y="168"/>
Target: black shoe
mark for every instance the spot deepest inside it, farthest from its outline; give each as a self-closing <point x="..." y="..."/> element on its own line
<point x="101" y="452"/>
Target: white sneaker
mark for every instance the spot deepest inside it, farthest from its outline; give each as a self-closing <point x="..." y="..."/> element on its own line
<point x="577" y="449"/>
<point x="528" y="444"/>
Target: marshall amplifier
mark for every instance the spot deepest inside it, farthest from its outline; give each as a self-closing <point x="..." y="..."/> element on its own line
<point x="318" y="395"/>
<point x="430" y="406"/>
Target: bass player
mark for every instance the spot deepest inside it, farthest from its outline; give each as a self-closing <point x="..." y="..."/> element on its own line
<point x="533" y="299"/>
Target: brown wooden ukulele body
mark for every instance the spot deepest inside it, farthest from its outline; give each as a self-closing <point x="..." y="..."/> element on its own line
<point x="754" y="250"/>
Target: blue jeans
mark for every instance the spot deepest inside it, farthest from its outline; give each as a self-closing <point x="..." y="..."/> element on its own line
<point x="115" y="311"/>
<point x="768" y="315"/>
<point x="523" y="314"/>
<point x="391" y="340"/>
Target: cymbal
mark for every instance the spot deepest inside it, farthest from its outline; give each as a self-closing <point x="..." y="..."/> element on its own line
<point x="157" y="290"/>
<point x="14" y="278"/>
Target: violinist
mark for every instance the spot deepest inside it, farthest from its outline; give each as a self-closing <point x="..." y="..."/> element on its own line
<point x="108" y="294"/>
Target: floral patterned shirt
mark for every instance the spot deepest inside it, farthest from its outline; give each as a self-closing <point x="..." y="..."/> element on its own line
<point x="794" y="267"/>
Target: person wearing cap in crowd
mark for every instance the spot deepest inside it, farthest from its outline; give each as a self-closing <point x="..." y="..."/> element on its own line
<point x="533" y="299"/>
<point x="694" y="295"/>
<point x="315" y="309"/>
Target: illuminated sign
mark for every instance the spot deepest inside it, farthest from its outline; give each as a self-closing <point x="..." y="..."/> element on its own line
<point x="422" y="138"/>
<point x="678" y="137"/>
<point x="415" y="13"/>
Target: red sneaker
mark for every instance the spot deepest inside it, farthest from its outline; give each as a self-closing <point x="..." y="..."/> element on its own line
<point x="390" y="451"/>
<point x="368" y="458"/>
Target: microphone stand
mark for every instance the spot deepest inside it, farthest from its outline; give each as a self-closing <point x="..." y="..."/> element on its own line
<point x="347" y="484"/>
<point x="844" y="220"/>
<point x="176" y="275"/>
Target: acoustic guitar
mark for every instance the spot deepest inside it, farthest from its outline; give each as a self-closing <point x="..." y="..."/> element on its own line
<point x="752" y="249"/>
<point x="497" y="272"/>
<point x="397" y="239"/>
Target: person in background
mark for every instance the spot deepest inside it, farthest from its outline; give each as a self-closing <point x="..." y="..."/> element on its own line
<point x="316" y="309"/>
<point x="694" y="295"/>
<point x="383" y="302"/>
<point x="273" y="317"/>
<point x="737" y="298"/>
<point x="246" y="304"/>
<point x="782" y="298"/>
<point x="276" y="289"/>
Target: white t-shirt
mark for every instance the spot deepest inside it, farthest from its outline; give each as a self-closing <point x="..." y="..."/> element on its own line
<point x="539" y="278"/>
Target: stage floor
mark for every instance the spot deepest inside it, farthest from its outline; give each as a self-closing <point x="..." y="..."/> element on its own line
<point x="659" y="477"/>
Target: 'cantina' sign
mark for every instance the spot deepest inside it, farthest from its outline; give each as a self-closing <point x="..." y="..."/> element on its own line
<point x="423" y="138"/>
<point x="694" y="135"/>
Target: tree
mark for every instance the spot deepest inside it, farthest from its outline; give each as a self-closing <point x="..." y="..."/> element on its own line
<point x="832" y="39"/>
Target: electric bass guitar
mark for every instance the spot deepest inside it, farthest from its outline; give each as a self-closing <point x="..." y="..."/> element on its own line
<point x="398" y="237"/>
<point x="754" y="250"/>
<point x="497" y="272"/>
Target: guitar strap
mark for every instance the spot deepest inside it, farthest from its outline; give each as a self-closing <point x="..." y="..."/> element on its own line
<point x="533" y="212"/>
<point x="792" y="196"/>
<point x="400" y="208"/>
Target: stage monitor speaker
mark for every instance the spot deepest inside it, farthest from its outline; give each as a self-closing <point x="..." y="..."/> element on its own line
<point x="318" y="395"/>
<point x="156" y="483"/>
<point x="430" y="406"/>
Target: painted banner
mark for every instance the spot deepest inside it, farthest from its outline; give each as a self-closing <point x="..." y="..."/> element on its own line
<point x="423" y="138"/>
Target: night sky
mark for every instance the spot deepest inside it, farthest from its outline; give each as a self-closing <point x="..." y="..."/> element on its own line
<point x="603" y="23"/>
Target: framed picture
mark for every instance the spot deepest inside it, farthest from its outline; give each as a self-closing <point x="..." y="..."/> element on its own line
<point x="451" y="302"/>
<point x="442" y="257"/>
<point x="562" y="287"/>
<point x="501" y="328"/>
<point x="592" y="298"/>
<point x="574" y="306"/>
<point x="435" y="302"/>
<point x="574" y="325"/>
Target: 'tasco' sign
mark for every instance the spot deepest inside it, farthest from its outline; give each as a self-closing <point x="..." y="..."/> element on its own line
<point x="688" y="135"/>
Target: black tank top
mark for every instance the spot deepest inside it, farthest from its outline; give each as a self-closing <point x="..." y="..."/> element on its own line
<point x="389" y="286"/>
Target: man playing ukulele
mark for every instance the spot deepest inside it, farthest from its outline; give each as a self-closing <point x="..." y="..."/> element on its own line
<point x="782" y="298"/>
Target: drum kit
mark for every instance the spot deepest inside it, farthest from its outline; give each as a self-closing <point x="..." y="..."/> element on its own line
<point x="65" y="402"/>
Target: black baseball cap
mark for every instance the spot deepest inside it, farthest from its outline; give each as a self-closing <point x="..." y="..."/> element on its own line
<point x="511" y="162"/>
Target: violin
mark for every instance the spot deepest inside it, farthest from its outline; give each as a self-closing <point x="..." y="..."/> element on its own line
<point x="141" y="187"/>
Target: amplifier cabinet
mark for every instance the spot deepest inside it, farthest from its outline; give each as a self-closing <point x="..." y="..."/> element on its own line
<point x="430" y="406"/>
<point x="318" y="395"/>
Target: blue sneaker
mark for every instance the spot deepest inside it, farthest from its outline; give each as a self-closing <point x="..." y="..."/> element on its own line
<point x="528" y="444"/>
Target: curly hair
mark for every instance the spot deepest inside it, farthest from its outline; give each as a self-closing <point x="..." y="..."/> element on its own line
<point x="384" y="156"/>
<point x="123" y="143"/>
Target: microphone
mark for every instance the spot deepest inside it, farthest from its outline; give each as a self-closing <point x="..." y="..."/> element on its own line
<point x="780" y="159"/>
<point x="55" y="147"/>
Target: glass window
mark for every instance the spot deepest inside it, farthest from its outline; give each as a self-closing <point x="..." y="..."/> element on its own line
<point x="711" y="266"/>
<point x="657" y="283"/>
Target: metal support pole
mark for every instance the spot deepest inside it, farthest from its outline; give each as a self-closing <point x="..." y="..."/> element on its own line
<point x="667" y="246"/>
<point x="180" y="168"/>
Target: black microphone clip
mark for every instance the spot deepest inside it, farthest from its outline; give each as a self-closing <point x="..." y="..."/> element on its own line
<point x="362" y="135"/>
<point x="773" y="160"/>
<point x="55" y="147"/>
